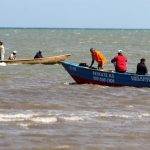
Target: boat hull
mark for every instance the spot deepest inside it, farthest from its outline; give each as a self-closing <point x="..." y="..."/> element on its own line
<point x="45" y="60"/>
<point x="84" y="75"/>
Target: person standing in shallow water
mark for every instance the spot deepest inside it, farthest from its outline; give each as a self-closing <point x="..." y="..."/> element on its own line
<point x="141" y="67"/>
<point x="2" y="51"/>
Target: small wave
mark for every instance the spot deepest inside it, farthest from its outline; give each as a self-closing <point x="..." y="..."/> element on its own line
<point x="130" y="106"/>
<point x="144" y="115"/>
<point x="15" y="117"/>
<point x="44" y="119"/>
<point x="70" y="83"/>
<point x="24" y="120"/>
<point x="125" y="116"/>
<point x="66" y="83"/>
<point x="62" y="147"/>
<point x="24" y="125"/>
<point x="3" y="64"/>
<point x="26" y="117"/>
<point x="74" y="118"/>
<point x="114" y="115"/>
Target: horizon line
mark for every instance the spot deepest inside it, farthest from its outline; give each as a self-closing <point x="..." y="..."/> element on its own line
<point x="92" y="28"/>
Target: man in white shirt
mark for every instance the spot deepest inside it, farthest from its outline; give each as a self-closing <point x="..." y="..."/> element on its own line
<point x="12" y="56"/>
<point x="2" y="51"/>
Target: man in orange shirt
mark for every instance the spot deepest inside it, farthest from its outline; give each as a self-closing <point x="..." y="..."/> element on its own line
<point x="99" y="57"/>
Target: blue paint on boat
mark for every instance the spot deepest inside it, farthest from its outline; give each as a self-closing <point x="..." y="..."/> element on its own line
<point x="84" y="75"/>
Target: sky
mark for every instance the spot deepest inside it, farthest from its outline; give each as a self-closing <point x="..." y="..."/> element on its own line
<point x="75" y="13"/>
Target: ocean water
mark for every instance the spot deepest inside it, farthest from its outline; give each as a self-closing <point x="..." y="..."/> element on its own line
<point x="41" y="107"/>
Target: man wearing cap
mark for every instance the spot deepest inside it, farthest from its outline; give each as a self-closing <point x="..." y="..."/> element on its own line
<point x="12" y="56"/>
<point x="120" y="62"/>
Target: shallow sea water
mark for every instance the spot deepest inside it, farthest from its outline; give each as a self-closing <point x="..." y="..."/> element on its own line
<point x="42" y="108"/>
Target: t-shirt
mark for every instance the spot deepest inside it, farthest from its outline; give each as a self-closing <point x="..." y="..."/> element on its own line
<point x="99" y="57"/>
<point x="141" y="69"/>
<point x="120" y="63"/>
<point x="12" y="57"/>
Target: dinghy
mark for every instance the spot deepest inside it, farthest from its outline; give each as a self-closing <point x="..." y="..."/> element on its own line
<point x="45" y="60"/>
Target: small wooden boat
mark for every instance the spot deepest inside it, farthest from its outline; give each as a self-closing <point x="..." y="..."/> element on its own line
<point x="84" y="75"/>
<point x="45" y="60"/>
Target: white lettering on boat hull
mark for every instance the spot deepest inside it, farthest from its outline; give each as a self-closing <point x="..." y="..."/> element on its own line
<point x="103" y="77"/>
<point x="140" y="78"/>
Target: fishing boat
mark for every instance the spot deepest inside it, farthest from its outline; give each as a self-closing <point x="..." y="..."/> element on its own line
<point x="86" y="75"/>
<point x="45" y="60"/>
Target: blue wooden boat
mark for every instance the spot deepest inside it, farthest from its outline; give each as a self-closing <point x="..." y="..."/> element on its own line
<point x="83" y="75"/>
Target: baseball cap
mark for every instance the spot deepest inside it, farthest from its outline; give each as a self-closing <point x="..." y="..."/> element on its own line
<point x="14" y="52"/>
<point x="119" y="51"/>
